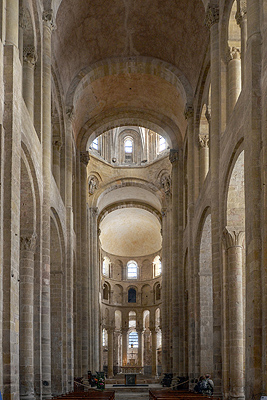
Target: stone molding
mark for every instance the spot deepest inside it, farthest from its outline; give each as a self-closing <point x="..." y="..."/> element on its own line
<point x="84" y="157"/>
<point x="212" y="15"/>
<point x="204" y="141"/>
<point x="28" y="242"/>
<point x="233" y="238"/>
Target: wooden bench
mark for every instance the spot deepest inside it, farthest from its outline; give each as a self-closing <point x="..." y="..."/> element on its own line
<point x="173" y="394"/>
<point x="90" y="394"/>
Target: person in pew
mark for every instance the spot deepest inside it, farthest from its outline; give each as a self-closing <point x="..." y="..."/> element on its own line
<point x="200" y="384"/>
<point x="210" y="384"/>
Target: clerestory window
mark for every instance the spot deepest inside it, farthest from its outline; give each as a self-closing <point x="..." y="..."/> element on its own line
<point x="128" y="150"/>
<point x="133" y="339"/>
<point x="132" y="270"/>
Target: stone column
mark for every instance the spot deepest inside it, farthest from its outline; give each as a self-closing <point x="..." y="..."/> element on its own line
<point x="212" y="22"/>
<point x="124" y="345"/>
<point x="57" y="145"/>
<point x="83" y="251"/>
<point x="234" y="77"/>
<point x="254" y="187"/>
<point x="29" y="61"/>
<point x="154" y="351"/>
<point x="26" y="356"/>
<point x="69" y="251"/>
<point x="234" y="245"/>
<point x="241" y="19"/>
<point x="94" y="288"/>
<point x="176" y="237"/>
<point x="140" y="346"/>
<point x="166" y="290"/>
<point x="12" y="19"/>
<point x="10" y="206"/>
<point x="204" y="156"/>
<point x="22" y="26"/>
<point x="46" y="164"/>
<point x="110" y="352"/>
<point x="193" y="345"/>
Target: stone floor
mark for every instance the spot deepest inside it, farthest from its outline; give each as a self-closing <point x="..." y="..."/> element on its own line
<point x="131" y="392"/>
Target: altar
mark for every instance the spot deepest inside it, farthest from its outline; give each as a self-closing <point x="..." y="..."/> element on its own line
<point x="130" y="379"/>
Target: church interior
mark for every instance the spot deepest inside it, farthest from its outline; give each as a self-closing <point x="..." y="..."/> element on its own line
<point x="133" y="193"/>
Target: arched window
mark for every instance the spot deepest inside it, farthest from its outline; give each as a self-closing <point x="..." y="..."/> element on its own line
<point x="133" y="339"/>
<point x="105" y="292"/>
<point x="132" y="270"/>
<point x="157" y="292"/>
<point x="131" y="295"/>
<point x="132" y="319"/>
<point x="162" y="144"/>
<point x="128" y="150"/>
<point x="95" y="144"/>
<point x="104" y="337"/>
<point x="157" y="266"/>
<point x="105" y="266"/>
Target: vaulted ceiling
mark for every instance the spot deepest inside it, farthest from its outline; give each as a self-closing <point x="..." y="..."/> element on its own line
<point x="123" y="56"/>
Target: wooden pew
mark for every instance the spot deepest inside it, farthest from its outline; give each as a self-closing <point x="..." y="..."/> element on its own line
<point x="89" y="395"/>
<point x="173" y="394"/>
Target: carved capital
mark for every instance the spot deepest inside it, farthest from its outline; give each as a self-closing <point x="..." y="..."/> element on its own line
<point x="48" y="18"/>
<point x="93" y="184"/>
<point x="70" y="113"/>
<point x="29" y="55"/>
<point x="165" y="183"/>
<point x="174" y="155"/>
<point x="233" y="238"/>
<point x="28" y="243"/>
<point x="164" y="212"/>
<point x="57" y="143"/>
<point x="204" y="141"/>
<point x="84" y="157"/>
<point x="212" y="15"/>
<point x="94" y="211"/>
<point x="189" y="111"/>
<point x="241" y="11"/>
<point x="233" y="53"/>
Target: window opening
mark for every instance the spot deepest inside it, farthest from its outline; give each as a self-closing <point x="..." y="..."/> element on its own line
<point x="157" y="266"/>
<point x="105" y="266"/>
<point x="162" y="144"/>
<point x="128" y="149"/>
<point x="104" y="337"/>
<point x="133" y="340"/>
<point x="95" y="144"/>
<point x="132" y="270"/>
<point x="131" y="295"/>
